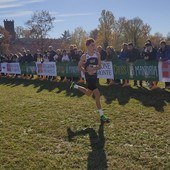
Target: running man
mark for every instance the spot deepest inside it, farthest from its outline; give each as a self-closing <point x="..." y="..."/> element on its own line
<point x="89" y="63"/>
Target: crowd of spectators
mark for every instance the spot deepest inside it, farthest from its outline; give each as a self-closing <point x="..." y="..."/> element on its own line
<point x="128" y="53"/>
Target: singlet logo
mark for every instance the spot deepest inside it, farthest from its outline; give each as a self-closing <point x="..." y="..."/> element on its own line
<point x="92" y="61"/>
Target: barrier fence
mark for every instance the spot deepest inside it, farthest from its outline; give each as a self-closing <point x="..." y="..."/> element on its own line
<point x="139" y="70"/>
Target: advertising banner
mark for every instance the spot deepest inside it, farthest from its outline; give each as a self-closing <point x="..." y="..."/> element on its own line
<point x="28" y="68"/>
<point x="145" y="70"/>
<point x="68" y="69"/>
<point x="106" y="71"/>
<point x="121" y="69"/>
<point x="117" y="69"/>
<point x="46" y="68"/>
<point x="164" y="71"/>
<point x="10" y="68"/>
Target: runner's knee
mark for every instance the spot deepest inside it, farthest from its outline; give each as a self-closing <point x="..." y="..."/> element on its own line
<point x="88" y="92"/>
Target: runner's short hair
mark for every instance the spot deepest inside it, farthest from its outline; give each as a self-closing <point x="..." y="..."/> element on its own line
<point x="89" y="41"/>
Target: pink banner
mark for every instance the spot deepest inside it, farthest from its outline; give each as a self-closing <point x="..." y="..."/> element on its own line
<point x="164" y="71"/>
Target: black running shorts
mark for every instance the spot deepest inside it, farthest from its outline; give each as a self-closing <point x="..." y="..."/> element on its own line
<point x="91" y="82"/>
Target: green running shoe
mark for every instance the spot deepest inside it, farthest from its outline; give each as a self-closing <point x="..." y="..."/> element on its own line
<point x="104" y="118"/>
<point x="72" y="85"/>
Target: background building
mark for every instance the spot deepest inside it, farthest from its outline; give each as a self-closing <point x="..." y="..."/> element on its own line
<point x="9" y="26"/>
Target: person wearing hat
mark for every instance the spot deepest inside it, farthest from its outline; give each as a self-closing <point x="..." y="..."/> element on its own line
<point x="149" y="54"/>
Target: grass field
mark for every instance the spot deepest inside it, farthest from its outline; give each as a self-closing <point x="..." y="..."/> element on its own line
<point x="35" y="116"/>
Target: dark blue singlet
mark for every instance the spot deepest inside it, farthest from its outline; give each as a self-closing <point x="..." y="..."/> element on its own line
<point x="91" y="80"/>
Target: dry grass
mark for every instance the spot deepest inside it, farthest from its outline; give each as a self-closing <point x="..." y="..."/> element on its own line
<point x="35" y="115"/>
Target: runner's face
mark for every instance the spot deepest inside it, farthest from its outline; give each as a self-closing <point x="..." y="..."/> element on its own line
<point x="91" y="47"/>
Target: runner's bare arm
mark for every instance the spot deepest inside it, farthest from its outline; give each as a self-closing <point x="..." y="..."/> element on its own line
<point x="81" y="63"/>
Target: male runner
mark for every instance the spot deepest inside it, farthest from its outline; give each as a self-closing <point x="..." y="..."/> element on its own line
<point x="89" y="63"/>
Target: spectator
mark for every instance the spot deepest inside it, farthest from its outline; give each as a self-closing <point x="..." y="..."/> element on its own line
<point x="10" y="58"/>
<point x="123" y="52"/>
<point x="24" y="56"/>
<point x="103" y="55"/>
<point x="20" y="58"/>
<point x="38" y="56"/>
<point x="29" y="58"/>
<point x="71" y="53"/>
<point x="149" y="54"/>
<point x="133" y="54"/>
<point x="45" y="57"/>
<point x="76" y="56"/>
<point x="15" y="58"/>
<point x="65" y="58"/>
<point x="52" y="53"/>
<point x="58" y="56"/>
<point x="111" y="56"/>
<point x="164" y="55"/>
<point x="102" y="52"/>
<point x="123" y="56"/>
<point x="3" y="58"/>
<point x="80" y="53"/>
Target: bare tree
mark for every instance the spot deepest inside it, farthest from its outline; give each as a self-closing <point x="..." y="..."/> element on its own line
<point x="135" y="29"/>
<point x="22" y="32"/>
<point x="40" y="24"/>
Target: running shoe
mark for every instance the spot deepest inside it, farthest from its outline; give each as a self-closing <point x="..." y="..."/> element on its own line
<point x="104" y="118"/>
<point x="72" y="85"/>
